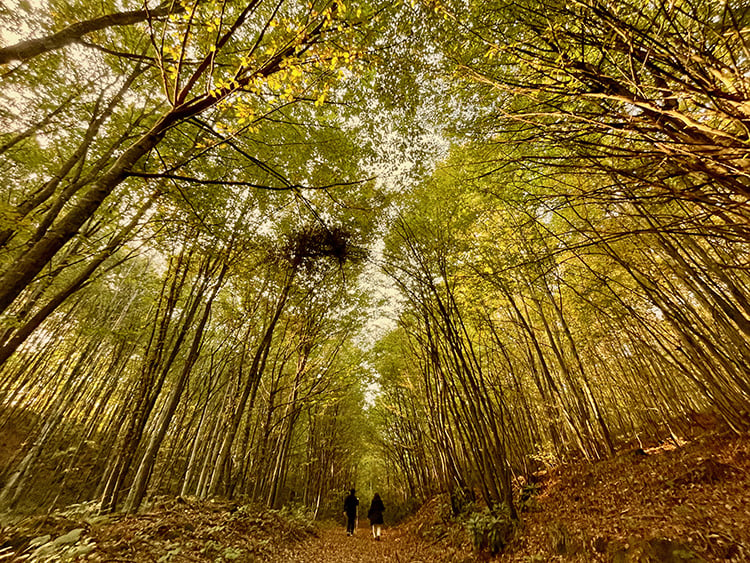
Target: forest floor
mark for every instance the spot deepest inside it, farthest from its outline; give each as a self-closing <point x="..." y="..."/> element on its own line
<point x="331" y="545"/>
<point x="181" y="532"/>
<point x="671" y="503"/>
<point x="694" y="496"/>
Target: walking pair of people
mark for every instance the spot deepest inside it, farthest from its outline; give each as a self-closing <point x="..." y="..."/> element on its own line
<point x="374" y="514"/>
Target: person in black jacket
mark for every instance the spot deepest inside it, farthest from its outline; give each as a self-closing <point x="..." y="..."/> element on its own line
<point x="351" y="503"/>
<point x="375" y="514"/>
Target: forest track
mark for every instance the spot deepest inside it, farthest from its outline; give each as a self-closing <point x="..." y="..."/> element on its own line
<point x="332" y="545"/>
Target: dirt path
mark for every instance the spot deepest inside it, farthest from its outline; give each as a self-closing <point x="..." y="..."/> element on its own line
<point x="333" y="546"/>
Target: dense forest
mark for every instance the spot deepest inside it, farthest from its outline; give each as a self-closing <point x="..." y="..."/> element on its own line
<point x="269" y="249"/>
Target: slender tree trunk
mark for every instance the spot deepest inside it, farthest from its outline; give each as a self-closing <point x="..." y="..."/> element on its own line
<point x="251" y="385"/>
<point x="140" y="482"/>
<point x="23" y="332"/>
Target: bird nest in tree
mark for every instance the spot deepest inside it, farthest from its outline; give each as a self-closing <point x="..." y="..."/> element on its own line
<point x="316" y="241"/>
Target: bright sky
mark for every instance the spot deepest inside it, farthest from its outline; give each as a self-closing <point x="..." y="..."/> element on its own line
<point x="19" y="31"/>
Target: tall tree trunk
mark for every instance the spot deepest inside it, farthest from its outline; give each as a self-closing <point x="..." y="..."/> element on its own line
<point x="250" y="388"/>
<point x="23" y="332"/>
<point x="140" y="482"/>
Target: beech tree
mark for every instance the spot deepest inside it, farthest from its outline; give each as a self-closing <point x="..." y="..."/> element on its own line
<point x="191" y="229"/>
<point x="648" y="95"/>
<point x="239" y="62"/>
<point x="568" y="310"/>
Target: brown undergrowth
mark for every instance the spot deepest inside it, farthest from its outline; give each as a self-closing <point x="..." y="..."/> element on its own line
<point x="174" y="531"/>
<point x="695" y="494"/>
<point x="687" y="502"/>
<point x="677" y="503"/>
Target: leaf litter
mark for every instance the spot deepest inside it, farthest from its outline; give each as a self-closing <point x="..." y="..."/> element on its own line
<point x="694" y="496"/>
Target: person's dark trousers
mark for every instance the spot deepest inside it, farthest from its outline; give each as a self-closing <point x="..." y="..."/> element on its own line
<point x="350" y="519"/>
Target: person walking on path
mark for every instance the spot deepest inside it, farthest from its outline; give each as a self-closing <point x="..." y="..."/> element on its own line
<point x="375" y="514"/>
<point x="351" y="503"/>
